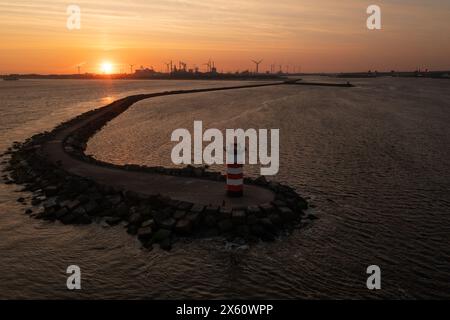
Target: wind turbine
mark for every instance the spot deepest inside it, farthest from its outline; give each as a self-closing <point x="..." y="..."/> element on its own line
<point x="168" y="66"/>
<point x="257" y="65"/>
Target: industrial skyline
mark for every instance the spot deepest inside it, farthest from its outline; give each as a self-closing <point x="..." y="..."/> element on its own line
<point x="173" y="66"/>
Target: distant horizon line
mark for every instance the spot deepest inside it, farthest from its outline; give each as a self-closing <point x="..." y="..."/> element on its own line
<point x="227" y="72"/>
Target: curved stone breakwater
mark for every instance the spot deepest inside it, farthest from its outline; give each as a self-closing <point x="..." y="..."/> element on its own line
<point x="74" y="188"/>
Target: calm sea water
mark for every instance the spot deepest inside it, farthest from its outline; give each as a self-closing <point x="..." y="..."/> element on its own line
<point x="374" y="161"/>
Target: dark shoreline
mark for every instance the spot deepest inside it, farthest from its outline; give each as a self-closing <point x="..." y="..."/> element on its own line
<point x="437" y="74"/>
<point x="72" y="199"/>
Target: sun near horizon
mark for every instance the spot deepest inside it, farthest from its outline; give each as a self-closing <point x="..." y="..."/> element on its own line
<point x="309" y="35"/>
<point x="106" y="67"/>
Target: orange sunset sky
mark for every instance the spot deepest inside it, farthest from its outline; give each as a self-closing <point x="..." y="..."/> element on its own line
<point x="318" y="35"/>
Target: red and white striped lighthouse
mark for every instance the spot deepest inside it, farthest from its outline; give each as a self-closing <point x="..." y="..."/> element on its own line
<point x="235" y="174"/>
